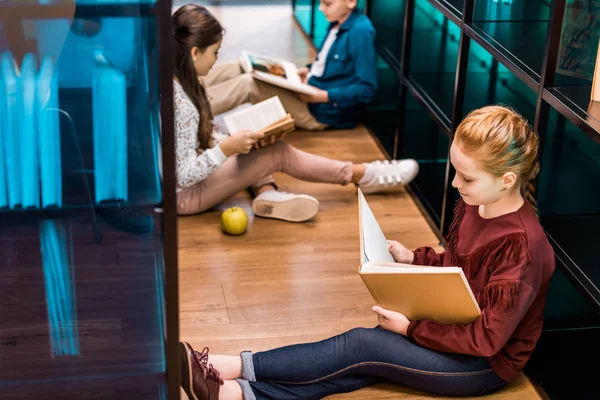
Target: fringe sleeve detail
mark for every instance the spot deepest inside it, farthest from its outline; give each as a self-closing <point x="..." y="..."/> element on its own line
<point x="502" y="294"/>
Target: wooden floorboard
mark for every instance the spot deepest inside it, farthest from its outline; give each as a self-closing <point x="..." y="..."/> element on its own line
<point x="284" y="283"/>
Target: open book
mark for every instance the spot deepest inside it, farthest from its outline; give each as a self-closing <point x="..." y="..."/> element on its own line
<point x="419" y="292"/>
<point x="276" y="72"/>
<point x="268" y="116"/>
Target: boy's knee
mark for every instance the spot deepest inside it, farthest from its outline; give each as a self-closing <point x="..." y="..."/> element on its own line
<point x="246" y="80"/>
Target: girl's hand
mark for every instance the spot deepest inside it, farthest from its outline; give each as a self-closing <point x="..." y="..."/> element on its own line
<point x="321" y="96"/>
<point x="400" y="253"/>
<point x="240" y="142"/>
<point x="267" y="142"/>
<point x="391" y="320"/>
<point x="303" y="73"/>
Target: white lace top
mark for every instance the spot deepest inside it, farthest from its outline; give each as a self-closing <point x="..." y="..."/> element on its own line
<point x="192" y="163"/>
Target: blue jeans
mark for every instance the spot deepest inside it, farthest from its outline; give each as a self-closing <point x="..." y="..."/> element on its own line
<point x="359" y="358"/>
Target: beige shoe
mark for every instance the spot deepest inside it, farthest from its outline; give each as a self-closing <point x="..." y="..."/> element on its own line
<point x="285" y="206"/>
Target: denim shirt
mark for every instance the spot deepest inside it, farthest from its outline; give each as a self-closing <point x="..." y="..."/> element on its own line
<point x="350" y="75"/>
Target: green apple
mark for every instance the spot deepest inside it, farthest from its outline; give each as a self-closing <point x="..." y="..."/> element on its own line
<point x="234" y="220"/>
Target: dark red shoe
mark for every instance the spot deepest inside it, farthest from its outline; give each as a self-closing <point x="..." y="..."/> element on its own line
<point x="200" y="380"/>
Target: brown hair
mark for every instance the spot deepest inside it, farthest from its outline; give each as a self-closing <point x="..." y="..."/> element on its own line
<point x="502" y="141"/>
<point x="195" y="26"/>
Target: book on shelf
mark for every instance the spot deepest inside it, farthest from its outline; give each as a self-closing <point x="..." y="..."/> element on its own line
<point x="30" y="163"/>
<point x="28" y="148"/>
<point x="49" y="134"/>
<point x="109" y="105"/>
<point x="268" y="117"/>
<point x="277" y="72"/>
<point x="419" y="292"/>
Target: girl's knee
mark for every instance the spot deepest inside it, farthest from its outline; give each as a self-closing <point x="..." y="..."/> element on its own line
<point x="359" y="335"/>
<point x="278" y="148"/>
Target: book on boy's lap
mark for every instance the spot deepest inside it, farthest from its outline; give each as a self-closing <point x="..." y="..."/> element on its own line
<point x="268" y="117"/>
<point x="275" y="71"/>
<point x="441" y="294"/>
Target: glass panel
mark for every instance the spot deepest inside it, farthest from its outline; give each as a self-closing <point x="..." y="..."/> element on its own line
<point x="427" y="144"/>
<point x="382" y="112"/>
<point x="517" y="29"/>
<point x="93" y="89"/>
<point x="433" y="66"/>
<point x="568" y="193"/>
<point x="577" y="57"/>
<point x="567" y="308"/>
<point x="84" y="302"/>
<point x="303" y="12"/>
<point x="388" y="18"/>
<point x="489" y="82"/>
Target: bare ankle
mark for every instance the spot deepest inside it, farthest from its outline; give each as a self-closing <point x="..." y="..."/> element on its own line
<point x="229" y="367"/>
<point x="358" y="172"/>
<point x="231" y="390"/>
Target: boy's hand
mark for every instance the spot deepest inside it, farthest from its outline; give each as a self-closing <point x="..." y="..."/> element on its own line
<point x="392" y="320"/>
<point x="303" y="73"/>
<point x="321" y="96"/>
<point x="400" y="253"/>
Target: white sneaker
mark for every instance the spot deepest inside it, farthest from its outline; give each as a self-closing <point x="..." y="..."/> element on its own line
<point x="389" y="176"/>
<point x="286" y="206"/>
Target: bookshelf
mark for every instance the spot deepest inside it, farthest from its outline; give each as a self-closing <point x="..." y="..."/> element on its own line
<point x="452" y="56"/>
<point x="90" y="308"/>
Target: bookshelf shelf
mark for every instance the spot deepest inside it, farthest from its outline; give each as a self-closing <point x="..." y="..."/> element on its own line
<point x="501" y="39"/>
<point x="452" y="9"/>
<point x="574" y="103"/>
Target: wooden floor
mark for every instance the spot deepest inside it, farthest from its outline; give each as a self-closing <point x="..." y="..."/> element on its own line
<point x="284" y="283"/>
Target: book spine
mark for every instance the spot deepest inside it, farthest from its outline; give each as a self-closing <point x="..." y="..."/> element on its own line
<point x="11" y="129"/>
<point x="110" y="131"/>
<point x="49" y="135"/>
<point x="30" y="190"/>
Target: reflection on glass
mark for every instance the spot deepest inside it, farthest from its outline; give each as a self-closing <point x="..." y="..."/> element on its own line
<point x="382" y="112"/>
<point x="518" y="30"/>
<point x="489" y="82"/>
<point x="568" y="192"/>
<point x="388" y="18"/>
<point x="426" y="143"/>
<point x="433" y="66"/>
<point x="92" y="311"/>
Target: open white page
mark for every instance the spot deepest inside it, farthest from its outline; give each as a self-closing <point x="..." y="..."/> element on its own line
<point x="256" y="117"/>
<point x="275" y="71"/>
<point x="374" y="241"/>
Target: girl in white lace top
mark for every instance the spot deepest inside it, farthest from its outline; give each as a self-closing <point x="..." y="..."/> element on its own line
<point x="212" y="167"/>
